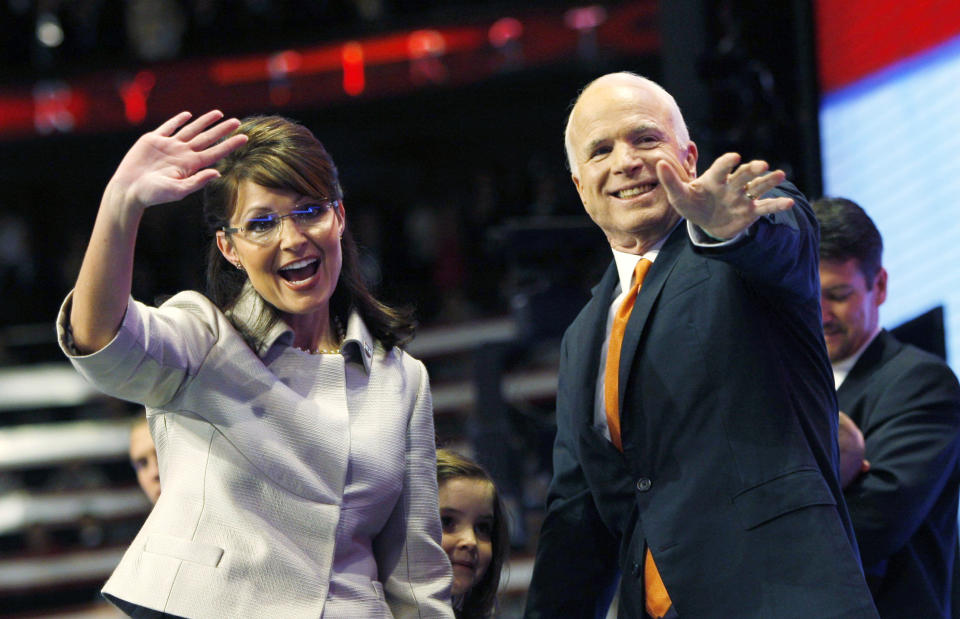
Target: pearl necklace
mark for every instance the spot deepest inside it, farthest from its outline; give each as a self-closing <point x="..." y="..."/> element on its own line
<point x="325" y="351"/>
<point x="338" y="327"/>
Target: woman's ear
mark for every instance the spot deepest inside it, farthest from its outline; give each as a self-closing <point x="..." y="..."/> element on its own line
<point x="341" y="218"/>
<point x="225" y="245"/>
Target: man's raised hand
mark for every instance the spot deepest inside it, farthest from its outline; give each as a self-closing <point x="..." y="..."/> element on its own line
<point x="723" y="201"/>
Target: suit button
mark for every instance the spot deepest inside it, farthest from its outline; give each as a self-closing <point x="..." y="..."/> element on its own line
<point x="643" y="484"/>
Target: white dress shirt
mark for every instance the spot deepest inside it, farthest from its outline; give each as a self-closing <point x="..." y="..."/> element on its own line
<point x="842" y="368"/>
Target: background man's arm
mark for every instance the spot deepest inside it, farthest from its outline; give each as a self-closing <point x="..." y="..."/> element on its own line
<point x="852" y="450"/>
<point x="913" y="445"/>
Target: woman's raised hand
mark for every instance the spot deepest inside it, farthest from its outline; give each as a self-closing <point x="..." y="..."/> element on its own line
<point x="172" y="161"/>
<point x="164" y="165"/>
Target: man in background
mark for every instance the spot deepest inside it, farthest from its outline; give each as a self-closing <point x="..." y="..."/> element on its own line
<point x="900" y="404"/>
<point x="143" y="459"/>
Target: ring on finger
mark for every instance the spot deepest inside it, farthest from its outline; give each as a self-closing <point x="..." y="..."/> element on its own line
<point x="750" y="195"/>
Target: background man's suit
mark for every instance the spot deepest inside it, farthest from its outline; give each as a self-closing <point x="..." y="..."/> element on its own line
<point x="904" y="510"/>
<point x="728" y="417"/>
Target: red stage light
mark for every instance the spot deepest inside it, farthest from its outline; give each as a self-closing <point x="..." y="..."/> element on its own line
<point x="354" y="80"/>
<point x="422" y="43"/>
<point x="585" y="18"/>
<point x="134" y="94"/>
<point x="57" y="107"/>
<point x="283" y="63"/>
<point x="505" y="30"/>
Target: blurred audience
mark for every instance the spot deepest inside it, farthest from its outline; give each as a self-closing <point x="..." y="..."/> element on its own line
<point x="143" y="459"/>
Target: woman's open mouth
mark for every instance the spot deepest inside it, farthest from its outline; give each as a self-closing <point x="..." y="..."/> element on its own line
<point x="300" y="271"/>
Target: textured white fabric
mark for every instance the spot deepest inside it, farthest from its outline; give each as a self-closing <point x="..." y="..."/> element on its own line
<point x="293" y="485"/>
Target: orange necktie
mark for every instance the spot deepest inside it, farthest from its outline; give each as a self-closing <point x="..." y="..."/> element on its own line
<point x="657" y="599"/>
<point x="611" y="373"/>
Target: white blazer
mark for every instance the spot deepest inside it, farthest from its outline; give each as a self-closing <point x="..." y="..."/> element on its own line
<point x="292" y="485"/>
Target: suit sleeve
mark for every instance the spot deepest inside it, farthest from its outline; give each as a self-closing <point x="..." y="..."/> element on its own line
<point x="779" y="251"/>
<point x="414" y="569"/>
<point x="153" y="354"/>
<point x="913" y="445"/>
<point x="576" y="561"/>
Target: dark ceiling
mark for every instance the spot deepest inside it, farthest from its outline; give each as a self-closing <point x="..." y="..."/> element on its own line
<point x="474" y="156"/>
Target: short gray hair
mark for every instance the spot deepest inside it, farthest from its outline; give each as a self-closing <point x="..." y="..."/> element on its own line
<point x="680" y="126"/>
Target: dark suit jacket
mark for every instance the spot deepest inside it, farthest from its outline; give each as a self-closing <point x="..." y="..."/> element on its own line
<point x="729" y="422"/>
<point x="904" y="510"/>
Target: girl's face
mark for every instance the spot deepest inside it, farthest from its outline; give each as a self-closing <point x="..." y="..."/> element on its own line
<point x="466" y="512"/>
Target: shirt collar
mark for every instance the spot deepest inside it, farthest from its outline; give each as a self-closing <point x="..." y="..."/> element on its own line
<point x="358" y="344"/>
<point x="626" y="263"/>
<point x="842" y="368"/>
<point x="245" y="313"/>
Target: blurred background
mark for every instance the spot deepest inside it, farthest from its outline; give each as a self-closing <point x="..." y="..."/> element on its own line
<point x="445" y="118"/>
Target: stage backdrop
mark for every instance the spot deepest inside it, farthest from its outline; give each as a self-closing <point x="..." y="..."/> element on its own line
<point x="890" y="140"/>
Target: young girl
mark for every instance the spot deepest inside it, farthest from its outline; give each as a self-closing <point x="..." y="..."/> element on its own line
<point x="475" y="534"/>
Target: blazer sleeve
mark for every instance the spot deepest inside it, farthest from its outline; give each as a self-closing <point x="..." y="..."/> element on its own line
<point x="913" y="445"/>
<point x="576" y="561"/>
<point x="154" y="353"/>
<point x="779" y="252"/>
<point x="414" y="569"/>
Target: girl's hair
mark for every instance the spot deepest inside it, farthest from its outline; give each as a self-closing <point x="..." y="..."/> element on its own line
<point x="481" y="599"/>
<point x="283" y="154"/>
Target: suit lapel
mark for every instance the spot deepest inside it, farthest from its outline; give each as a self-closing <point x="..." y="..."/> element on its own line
<point x="649" y="292"/>
<point x="855" y="384"/>
<point x="586" y="338"/>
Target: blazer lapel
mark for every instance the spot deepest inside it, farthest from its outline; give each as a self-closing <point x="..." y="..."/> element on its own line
<point x="585" y="339"/>
<point x="877" y="353"/>
<point x="649" y="292"/>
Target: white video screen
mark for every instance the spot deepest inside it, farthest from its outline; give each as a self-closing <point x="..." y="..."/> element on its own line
<point x="890" y="141"/>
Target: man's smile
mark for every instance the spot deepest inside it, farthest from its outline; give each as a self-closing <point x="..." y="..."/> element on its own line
<point x="634" y="191"/>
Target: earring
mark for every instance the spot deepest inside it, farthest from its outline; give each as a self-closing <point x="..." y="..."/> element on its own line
<point x="239" y="266"/>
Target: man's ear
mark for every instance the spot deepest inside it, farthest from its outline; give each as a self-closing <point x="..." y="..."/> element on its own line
<point x="880" y="286"/>
<point x="576" y="183"/>
<point x="225" y="245"/>
<point x="690" y="161"/>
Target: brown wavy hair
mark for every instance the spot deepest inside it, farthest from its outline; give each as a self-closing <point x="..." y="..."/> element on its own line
<point x="481" y="600"/>
<point x="283" y="154"/>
